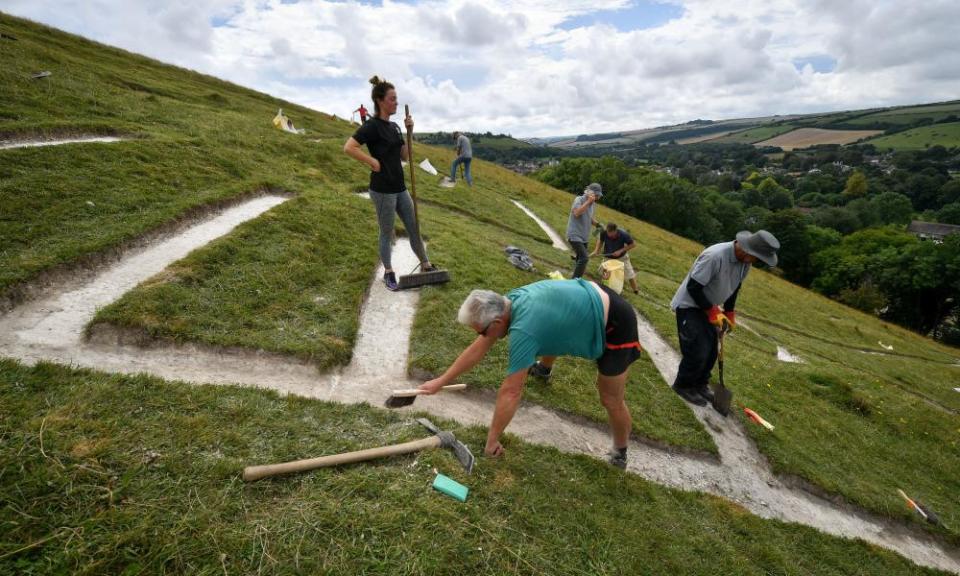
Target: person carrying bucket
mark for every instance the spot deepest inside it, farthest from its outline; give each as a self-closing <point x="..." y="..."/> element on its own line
<point x="616" y="243"/>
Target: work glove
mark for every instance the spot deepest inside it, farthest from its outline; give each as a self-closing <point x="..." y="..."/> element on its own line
<point x="731" y="317"/>
<point x="716" y="317"/>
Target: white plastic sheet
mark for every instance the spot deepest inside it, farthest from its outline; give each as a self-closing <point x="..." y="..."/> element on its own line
<point x="428" y="167"/>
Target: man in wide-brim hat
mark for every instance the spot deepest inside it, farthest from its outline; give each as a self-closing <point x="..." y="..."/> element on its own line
<point x="714" y="279"/>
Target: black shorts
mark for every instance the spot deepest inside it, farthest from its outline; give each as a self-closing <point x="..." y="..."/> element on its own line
<point x="621" y="345"/>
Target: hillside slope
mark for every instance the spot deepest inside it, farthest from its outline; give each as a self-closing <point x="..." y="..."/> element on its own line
<point x="856" y="420"/>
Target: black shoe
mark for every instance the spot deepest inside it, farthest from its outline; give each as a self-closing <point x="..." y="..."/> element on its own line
<point x="428" y="268"/>
<point x="691" y="395"/>
<point x="540" y="372"/>
<point x="390" y="280"/>
<point x="706" y="393"/>
<point x="618" y="458"/>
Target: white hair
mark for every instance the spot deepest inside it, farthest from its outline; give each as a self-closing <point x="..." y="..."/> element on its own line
<point x="481" y="308"/>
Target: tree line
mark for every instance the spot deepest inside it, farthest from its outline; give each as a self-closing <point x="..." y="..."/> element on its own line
<point x="840" y="214"/>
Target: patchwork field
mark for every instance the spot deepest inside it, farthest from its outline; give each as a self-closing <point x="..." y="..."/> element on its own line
<point x="753" y="135"/>
<point x="806" y="137"/>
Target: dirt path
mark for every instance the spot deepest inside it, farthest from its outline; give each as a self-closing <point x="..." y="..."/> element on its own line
<point x="555" y="238"/>
<point x="34" y="143"/>
<point x="51" y="328"/>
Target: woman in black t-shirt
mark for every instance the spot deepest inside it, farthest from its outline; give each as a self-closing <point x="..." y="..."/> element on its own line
<point x="388" y="191"/>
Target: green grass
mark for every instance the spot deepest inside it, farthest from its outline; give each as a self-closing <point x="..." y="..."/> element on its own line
<point x="754" y="135"/>
<point x="946" y="135"/>
<point x="499" y="143"/>
<point x="857" y="425"/>
<point x="198" y="140"/>
<point x="126" y="475"/>
<point x="476" y="260"/>
<point x="909" y="115"/>
<point x="287" y="282"/>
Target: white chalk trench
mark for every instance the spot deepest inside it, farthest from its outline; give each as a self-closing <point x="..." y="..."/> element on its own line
<point x="50" y="328"/>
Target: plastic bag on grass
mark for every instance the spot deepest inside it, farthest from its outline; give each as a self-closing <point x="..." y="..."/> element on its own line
<point x="283" y="123"/>
<point x="519" y="258"/>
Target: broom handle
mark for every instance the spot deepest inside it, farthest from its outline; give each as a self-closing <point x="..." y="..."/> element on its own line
<point x="251" y="473"/>
<point x="413" y="179"/>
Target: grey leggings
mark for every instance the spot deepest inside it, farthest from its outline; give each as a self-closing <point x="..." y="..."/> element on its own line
<point x="388" y="206"/>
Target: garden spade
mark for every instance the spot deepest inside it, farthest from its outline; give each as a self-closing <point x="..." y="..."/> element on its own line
<point x="722" y="396"/>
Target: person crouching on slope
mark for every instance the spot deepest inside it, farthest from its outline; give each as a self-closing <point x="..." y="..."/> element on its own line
<point x="547" y="319"/>
<point x="714" y="279"/>
<point x="388" y="191"/>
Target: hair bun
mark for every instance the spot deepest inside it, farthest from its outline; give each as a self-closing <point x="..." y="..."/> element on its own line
<point x="375" y="80"/>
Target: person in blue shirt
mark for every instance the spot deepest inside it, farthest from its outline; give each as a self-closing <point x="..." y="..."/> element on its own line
<point x="547" y="319"/>
<point x="616" y="243"/>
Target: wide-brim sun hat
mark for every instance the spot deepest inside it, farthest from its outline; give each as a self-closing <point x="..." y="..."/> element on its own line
<point x="761" y="244"/>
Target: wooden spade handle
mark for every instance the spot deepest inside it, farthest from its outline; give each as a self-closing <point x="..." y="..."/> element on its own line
<point x="251" y="473"/>
<point x="417" y="391"/>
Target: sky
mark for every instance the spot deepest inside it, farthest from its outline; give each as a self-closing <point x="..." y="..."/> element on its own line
<point x="547" y="67"/>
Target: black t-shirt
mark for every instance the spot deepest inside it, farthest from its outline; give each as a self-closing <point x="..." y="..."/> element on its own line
<point x="611" y="245"/>
<point x="383" y="140"/>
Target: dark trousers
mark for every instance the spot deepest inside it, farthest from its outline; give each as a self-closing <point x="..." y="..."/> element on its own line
<point x="580" y="248"/>
<point x="698" y="345"/>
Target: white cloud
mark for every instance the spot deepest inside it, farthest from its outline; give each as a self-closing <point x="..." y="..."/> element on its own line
<point x="518" y="66"/>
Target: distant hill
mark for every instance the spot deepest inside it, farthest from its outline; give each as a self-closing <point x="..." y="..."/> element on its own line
<point x="832" y="128"/>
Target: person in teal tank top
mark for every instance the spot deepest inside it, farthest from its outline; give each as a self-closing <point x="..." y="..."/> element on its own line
<point x="544" y="320"/>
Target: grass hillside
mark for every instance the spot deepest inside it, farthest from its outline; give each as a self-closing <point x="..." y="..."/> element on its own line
<point x="907" y="115"/>
<point x="108" y="474"/>
<point x="946" y="135"/>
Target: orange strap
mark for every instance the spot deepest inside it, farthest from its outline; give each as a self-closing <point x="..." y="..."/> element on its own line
<point x="624" y="346"/>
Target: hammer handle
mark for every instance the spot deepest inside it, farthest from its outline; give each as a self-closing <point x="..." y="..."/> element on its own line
<point x="251" y="473"/>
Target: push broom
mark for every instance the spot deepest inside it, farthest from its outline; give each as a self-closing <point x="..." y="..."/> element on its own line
<point x="422" y="278"/>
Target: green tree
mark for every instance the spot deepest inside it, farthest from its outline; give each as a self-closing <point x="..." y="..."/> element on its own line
<point x="821" y="238"/>
<point x="780" y="200"/>
<point x="856" y="185"/>
<point x="867" y="212"/>
<point x="949" y="192"/>
<point x="790" y="228"/>
<point x="949" y="214"/>
<point x="729" y="215"/>
<point x="893" y="208"/>
<point x="842" y="220"/>
<point x="919" y="280"/>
